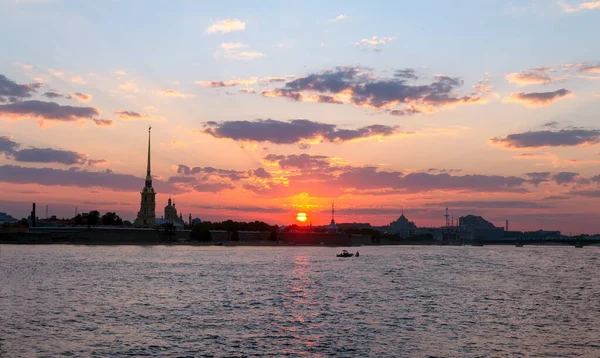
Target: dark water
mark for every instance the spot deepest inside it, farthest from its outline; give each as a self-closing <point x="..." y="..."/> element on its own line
<point x="392" y="301"/>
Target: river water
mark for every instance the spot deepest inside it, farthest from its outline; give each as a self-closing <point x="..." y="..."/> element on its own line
<point x="176" y="301"/>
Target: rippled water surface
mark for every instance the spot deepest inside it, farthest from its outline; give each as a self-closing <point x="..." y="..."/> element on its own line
<point x="165" y="301"/>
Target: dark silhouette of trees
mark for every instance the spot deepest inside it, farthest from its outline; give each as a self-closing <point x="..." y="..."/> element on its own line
<point x="111" y="218"/>
<point x="200" y="233"/>
<point x="93" y="218"/>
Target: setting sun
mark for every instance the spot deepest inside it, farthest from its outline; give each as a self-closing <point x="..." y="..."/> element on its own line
<point x="301" y="217"/>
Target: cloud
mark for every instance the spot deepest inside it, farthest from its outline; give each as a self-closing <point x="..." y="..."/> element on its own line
<point x="10" y="91"/>
<point x="294" y="131"/>
<point x="129" y="86"/>
<point x="375" y="43"/>
<point x="46" y="111"/>
<point x="362" y="88"/>
<point x="537" y="76"/>
<point x="49" y="155"/>
<point x="119" y="73"/>
<point x="562" y="178"/>
<point x="561" y="138"/>
<point x="243" y="55"/>
<point x="7" y="146"/>
<point x="53" y="94"/>
<point x="325" y="175"/>
<point x="339" y="18"/>
<point x="230" y="83"/>
<point x="590" y="69"/>
<point x="82" y="97"/>
<point x="226" y="26"/>
<point x="43" y="155"/>
<point x="103" y="122"/>
<point x="299" y="161"/>
<point x="78" y="80"/>
<point x="247" y="90"/>
<point x="537" y="99"/>
<point x="122" y="114"/>
<point x="588" y="5"/>
<point x="233" y="51"/>
<point x="173" y="93"/>
<point x="588" y="193"/>
<point x="79" y="178"/>
<point x="500" y="204"/>
<point x="228" y="46"/>
<point x="209" y="179"/>
<point x="557" y="197"/>
<point x="407" y="73"/>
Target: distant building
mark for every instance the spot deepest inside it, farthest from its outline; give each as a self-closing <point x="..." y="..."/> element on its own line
<point x="7" y="219"/>
<point x="477" y="228"/>
<point x="146" y="217"/>
<point x="402" y="227"/>
<point x="171" y="215"/>
<point x="332" y="227"/>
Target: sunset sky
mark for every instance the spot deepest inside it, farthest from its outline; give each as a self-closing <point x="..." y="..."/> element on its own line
<point x="261" y="110"/>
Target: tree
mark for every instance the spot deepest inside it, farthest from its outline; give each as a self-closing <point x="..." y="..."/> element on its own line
<point x="93" y="218"/>
<point x="200" y="233"/>
<point x="111" y="218"/>
<point x="78" y="219"/>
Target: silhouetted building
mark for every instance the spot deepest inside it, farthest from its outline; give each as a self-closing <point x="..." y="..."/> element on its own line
<point x="332" y="227"/>
<point x="146" y="217"/>
<point x="402" y="227"/>
<point x="7" y="219"/>
<point x="478" y="228"/>
<point x="171" y="215"/>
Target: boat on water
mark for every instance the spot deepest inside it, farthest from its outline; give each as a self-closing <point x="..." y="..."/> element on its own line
<point x="345" y="254"/>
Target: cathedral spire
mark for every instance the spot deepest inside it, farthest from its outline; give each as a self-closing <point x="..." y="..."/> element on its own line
<point x="148" y="169"/>
<point x="148" y="175"/>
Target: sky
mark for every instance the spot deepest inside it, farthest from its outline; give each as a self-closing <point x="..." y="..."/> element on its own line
<point x="263" y="109"/>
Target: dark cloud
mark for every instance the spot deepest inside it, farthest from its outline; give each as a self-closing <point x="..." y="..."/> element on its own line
<point x="536" y="139"/>
<point x="130" y="115"/>
<point x="234" y="175"/>
<point x="260" y="173"/>
<point x="250" y="209"/>
<point x="79" y="178"/>
<point x="294" y="131"/>
<point x="212" y="187"/>
<point x="362" y="88"/>
<point x="552" y="124"/>
<point x="11" y="91"/>
<point x="301" y="161"/>
<point x="103" y="122"/>
<point x="8" y="146"/>
<point x="49" y="155"/>
<point x="490" y="204"/>
<point x="537" y="178"/>
<point x="46" y="111"/>
<point x="588" y="193"/>
<point x="557" y="197"/>
<point x="562" y="178"/>
<point x="53" y="94"/>
<point x="44" y="155"/>
<point x="407" y="73"/>
<point x="538" y="98"/>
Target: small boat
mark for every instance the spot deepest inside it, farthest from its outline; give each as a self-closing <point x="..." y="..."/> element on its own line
<point x="345" y="254"/>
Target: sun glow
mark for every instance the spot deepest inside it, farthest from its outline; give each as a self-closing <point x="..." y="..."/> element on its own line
<point x="301" y="217"/>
